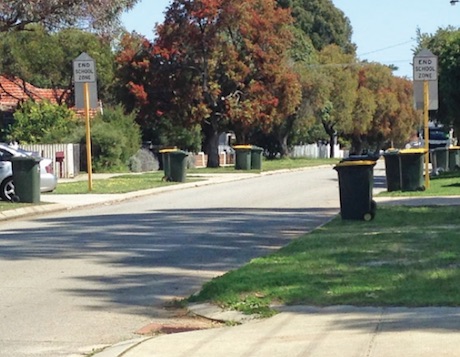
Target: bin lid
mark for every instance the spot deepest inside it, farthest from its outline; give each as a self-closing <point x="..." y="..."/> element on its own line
<point x="391" y="151"/>
<point x="412" y="151"/>
<point x="26" y="158"/>
<point x="356" y="163"/>
<point x="454" y="147"/>
<point x="163" y="151"/>
<point x="247" y="147"/>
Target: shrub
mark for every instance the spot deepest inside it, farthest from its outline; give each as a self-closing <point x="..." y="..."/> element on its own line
<point x="143" y="161"/>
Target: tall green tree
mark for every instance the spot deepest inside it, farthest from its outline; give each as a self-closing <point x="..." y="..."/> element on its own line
<point x="44" y="58"/>
<point x="322" y="22"/>
<point x="100" y="15"/>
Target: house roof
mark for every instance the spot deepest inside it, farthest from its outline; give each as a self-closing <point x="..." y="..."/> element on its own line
<point x="14" y="90"/>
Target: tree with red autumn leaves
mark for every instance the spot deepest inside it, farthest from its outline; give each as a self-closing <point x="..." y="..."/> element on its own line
<point x="222" y="64"/>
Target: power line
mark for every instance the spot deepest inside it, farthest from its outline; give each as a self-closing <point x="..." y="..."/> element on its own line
<point x="386" y="48"/>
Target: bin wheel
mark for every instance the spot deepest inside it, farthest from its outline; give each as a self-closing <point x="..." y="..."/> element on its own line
<point x="421" y="188"/>
<point x="166" y="178"/>
<point x="368" y="216"/>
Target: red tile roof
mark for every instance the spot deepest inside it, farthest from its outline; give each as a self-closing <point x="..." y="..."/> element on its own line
<point x="14" y="90"/>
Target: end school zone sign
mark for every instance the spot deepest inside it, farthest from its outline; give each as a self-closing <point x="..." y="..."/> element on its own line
<point x="84" y="69"/>
<point x="425" y="68"/>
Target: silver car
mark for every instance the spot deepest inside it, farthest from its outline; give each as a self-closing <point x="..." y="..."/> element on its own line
<point x="48" y="181"/>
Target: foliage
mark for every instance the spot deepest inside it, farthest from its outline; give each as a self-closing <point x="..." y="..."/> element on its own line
<point x="44" y="59"/>
<point x="101" y="15"/>
<point x="42" y="122"/>
<point x="224" y="68"/>
<point x="445" y="44"/>
<point x="115" y="137"/>
<point x="322" y="22"/>
<point x="143" y="161"/>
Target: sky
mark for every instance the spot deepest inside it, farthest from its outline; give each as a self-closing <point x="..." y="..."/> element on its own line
<point x="384" y="31"/>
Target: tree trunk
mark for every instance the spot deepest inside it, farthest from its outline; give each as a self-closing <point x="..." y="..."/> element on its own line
<point x="211" y="144"/>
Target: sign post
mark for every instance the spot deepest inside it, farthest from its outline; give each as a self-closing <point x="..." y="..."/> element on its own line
<point x="426" y="71"/>
<point x="84" y="71"/>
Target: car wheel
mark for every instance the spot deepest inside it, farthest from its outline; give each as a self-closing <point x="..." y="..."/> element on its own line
<point x="7" y="189"/>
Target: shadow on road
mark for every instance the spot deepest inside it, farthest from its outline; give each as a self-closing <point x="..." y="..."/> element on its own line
<point x="162" y="254"/>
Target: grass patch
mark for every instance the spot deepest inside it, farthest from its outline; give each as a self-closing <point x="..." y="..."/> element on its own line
<point x="407" y="256"/>
<point x="5" y="205"/>
<point x="270" y="165"/>
<point x="117" y="184"/>
<point x="446" y="184"/>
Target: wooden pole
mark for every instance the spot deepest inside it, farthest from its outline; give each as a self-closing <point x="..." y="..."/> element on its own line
<point x="89" y="165"/>
<point x="426" y="134"/>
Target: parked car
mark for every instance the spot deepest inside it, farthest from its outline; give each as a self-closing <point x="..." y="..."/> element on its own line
<point x="48" y="181"/>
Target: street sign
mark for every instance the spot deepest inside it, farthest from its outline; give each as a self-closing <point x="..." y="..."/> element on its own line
<point x="433" y="103"/>
<point x="84" y="69"/>
<point x="425" y="66"/>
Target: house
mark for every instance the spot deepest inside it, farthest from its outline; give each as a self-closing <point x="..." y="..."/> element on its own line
<point x="14" y="90"/>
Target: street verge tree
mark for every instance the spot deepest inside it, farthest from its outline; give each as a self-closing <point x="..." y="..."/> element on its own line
<point x="223" y="64"/>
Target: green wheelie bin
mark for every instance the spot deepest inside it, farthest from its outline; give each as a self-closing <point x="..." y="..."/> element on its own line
<point x="356" y="181"/>
<point x="256" y="157"/>
<point x="174" y="165"/>
<point x="392" y="170"/>
<point x="242" y="157"/>
<point x="412" y="178"/>
<point x="440" y="159"/>
<point x="454" y="158"/>
<point x="26" y="179"/>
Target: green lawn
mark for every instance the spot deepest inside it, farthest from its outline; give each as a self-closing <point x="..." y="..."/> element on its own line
<point x="404" y="257"/>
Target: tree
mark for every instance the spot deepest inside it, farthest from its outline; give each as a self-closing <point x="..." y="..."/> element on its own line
<point x="224" y="64"/>
<point x="44" y="59"/>
<point x="322" y="22"/>
<point x="100" y="15"/>
<point x="42" y="122"/>
<point x="445" y="44"/>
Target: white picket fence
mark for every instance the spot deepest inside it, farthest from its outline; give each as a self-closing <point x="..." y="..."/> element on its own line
<point x="65" y="157"/>
<point x="317" y="151"/>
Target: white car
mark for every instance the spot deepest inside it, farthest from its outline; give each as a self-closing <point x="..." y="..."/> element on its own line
<point x="48" y="181"/>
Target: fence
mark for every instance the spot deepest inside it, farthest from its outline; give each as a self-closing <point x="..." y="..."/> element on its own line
<point x="65" y="157"/>
<point x="317" y="151"/>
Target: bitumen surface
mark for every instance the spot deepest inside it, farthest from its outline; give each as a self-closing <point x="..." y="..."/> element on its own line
<point x="342" y="331"/>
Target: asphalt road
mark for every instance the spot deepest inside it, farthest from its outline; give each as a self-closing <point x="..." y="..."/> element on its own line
<point x="73" y="281"/>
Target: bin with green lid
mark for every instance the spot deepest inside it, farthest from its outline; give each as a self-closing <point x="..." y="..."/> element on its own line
<point x="356" y="181"/>
<point x="242" y="157"/>
<point x="256" y="157"/>
<point x="174" y="165"/>
<point x="454" y="158"/>
<point x="412" y="178"/>
<point x="440" y="159"/>
<point x="26" y="178"/>
<point x="392" y="170"/>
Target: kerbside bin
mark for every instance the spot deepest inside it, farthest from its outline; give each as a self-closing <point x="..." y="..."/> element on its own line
<point x="356" y="181"/>
<point x="454" y="158"/>
<point x="26" y="178"/>
<point x="256" y="157"/>
<point x="242" y="157"/>
<point x="412" y="178"/>
<point x="174" y="165"/>
<point x="392" y="170"/>
<point x="440" y="159"/>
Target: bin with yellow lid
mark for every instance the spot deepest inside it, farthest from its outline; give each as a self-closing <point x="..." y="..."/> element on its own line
<point x="356" y="181"/>
<point x="242" y="157"/>
<point x="454" y="158"/>
<point x="174" y="164"/>
<point x="411" y="164"/>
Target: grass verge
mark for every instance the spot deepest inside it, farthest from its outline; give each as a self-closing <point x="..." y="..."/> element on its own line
<point x="407" y="256"/>
<point x="446" y="184"/>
